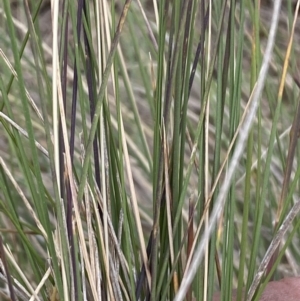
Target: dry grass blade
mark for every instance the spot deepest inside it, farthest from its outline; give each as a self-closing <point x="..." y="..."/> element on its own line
<point x="272" y="248"/>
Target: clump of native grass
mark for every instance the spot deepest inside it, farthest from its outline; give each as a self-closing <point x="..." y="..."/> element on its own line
<point x="148" y="148"/>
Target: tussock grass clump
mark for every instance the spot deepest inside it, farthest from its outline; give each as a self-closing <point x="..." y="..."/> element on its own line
<point x="149" y="149"/>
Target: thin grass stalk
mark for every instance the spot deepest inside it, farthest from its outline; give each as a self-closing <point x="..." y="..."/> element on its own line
<point x="40" y="206"/>
<point x="132" y="98"/>
<point x="273" y="247"/>
<point x="206" y="152"/>
<point x="7" y="273"/>
<point x="187" y="60"/>
<point x="216" y="212"/>
<point x="201" y="276"/>
<point x="294" y="134"/>
<point x="24" y="43"/>
<point x="99" y="105"/>
<point x="152" y="47"/>
<point x="10" y="207"/>
<point x="248" y="158"/>
<point x="38" y="188"/>
<point x="94" y="127"/>
<point x="197" y="135"/>
<point x="175" y="128"/>
<point x="255" y="64"/>
<point x="271" y="143"/>
<point x="65" y="246"/>
<point x="117" y="168"/>
<point x="222" y="76"/>
<point x="167" y="104"/>
<point x="234" y="116"/>
<point x="77" y="79"/>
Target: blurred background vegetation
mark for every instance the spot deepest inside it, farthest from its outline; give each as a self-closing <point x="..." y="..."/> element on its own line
<point x="148" y="149"/>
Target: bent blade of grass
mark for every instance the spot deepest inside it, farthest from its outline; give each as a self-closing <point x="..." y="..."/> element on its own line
<point x="10" y="256"/>
<point x="273" y="247"/>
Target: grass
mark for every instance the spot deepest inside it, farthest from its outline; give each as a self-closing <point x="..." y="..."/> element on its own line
<point x="149" y="152"/>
